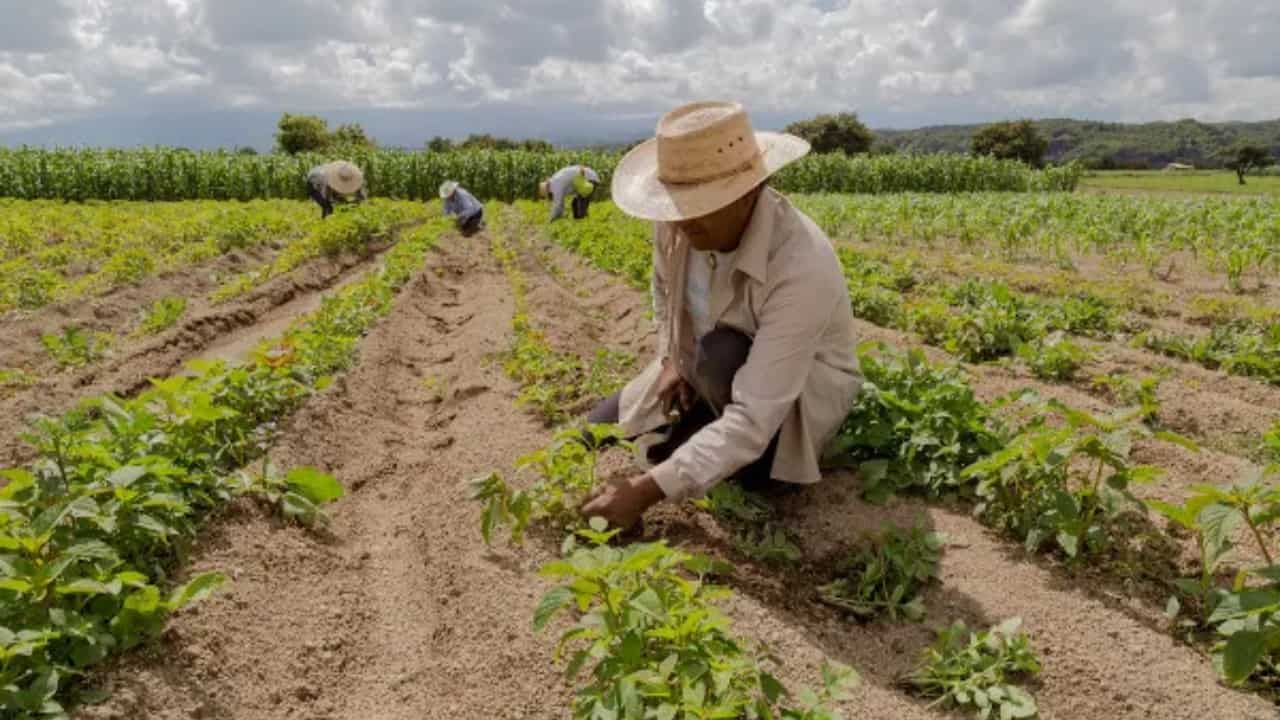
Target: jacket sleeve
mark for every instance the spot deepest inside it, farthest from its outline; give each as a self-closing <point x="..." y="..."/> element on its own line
<point x="792" y="320"/>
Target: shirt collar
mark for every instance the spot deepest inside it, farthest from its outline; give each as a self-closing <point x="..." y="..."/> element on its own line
<point x="753" y="251"/>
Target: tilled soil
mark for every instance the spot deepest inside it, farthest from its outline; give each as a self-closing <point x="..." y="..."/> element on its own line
<point x="206" y="330"/>
<point x="399" y="610"/>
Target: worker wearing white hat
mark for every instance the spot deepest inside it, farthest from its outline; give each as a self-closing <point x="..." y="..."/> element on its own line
<point x="464" y="206"/>
<point x="336" y="180"/>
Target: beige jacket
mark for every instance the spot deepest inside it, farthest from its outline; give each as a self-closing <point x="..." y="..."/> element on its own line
<point x="787" y="292"/>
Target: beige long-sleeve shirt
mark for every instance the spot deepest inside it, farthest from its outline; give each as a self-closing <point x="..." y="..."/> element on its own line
<point x="787" y="292"/>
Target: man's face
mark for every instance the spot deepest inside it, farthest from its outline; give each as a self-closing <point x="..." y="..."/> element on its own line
<point x="721" y="229"/>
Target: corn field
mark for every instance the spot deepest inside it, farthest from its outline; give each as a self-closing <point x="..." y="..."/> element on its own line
<point x="172" y="174"/>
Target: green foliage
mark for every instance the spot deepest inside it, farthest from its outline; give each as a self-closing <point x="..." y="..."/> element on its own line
<point x="842" y="132"/>
<point x="161" y="315"/>
<point x="1053" y="357"/>
<point x="565" y="473"/>
<point x="1235" y="349"/>
<point x="1248" y="156"/>
<point x="299" y="495"/>
<point x="1133" y="392"/>
<point x="301" y="134"/>
<point x="171" y="174"/>
<point x="978" y="670"/>
<point x="654" y="643"/>
<point x="90" y="529"/>
<point x="64" y="252"/>
<point x="751" y="519"/>
<point x="1065" y="479"/>
<point x="1011" y="141"/>
<point x="913" y="426"/>
<point x="75" y="347"/>
<point x="885" y="574"/>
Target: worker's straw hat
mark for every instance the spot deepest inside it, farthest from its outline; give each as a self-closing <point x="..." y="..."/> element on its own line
<point x="447" y="188"/>
<point x="544" y="188"/>
<point x="344" y="178"/>
<point x="705" y="156"/>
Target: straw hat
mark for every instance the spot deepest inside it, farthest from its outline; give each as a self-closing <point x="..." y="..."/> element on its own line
<point x="705" y="156"/>
<point x="447" y="188"/>
<point x="343" y="177"/>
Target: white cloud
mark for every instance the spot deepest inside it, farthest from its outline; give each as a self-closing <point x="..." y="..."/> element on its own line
<point x="932" y="60"/>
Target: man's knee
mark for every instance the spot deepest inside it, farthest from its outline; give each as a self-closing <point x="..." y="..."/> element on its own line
<point x="721" y="353"/>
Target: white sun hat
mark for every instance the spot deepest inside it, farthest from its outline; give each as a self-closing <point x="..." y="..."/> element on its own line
<point x="343" y="177"/>
<point x="704" y="156"/>
<point x="447" y="188"/>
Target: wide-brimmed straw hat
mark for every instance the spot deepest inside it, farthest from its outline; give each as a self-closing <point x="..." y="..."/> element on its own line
<point x="447" y="188"/>
<point x="344" y="178"/>
<point x="704" y="156"/>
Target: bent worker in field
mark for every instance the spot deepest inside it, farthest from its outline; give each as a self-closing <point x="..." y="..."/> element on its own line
<point x="464" y="206"/>
<point x="756" y="367"/>
<point x="577" y="182"/>
<point x="338" y="180"/>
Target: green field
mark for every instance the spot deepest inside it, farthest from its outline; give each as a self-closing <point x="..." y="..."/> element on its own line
<point x="1159" y="181"/>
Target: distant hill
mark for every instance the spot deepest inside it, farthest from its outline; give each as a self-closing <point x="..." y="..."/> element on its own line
<point x="1109" y="145"/>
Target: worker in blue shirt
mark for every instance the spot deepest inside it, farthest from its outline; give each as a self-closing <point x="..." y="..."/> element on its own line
<point x="464" y="206"/>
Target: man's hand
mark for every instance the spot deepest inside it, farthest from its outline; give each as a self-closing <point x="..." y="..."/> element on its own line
<point x="623" y="505"/>
<point x="673" y="392"/>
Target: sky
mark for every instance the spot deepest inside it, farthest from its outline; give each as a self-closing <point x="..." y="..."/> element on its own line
<point x="202" y="73"/>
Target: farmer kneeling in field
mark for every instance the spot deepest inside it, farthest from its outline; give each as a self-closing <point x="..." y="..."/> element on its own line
<point x="337" y="180"/>
<point x="577" y="180"/>
<point x="756" y="367"/>
<point x="462" y="205"/>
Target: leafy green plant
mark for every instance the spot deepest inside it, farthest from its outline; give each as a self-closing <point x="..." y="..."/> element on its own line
<point x="1066" y="482"/>
<point x="566" y="475"/>
<point x="750" y="518"/>
<point x="13" y="378"/>
<point x="913" y="425"/>
<point x="1053" y="357"/>
<point x="75" y="347"/>
<point x="1139" y="393"/>
<point x="978" y="670"/>
<point x="655" y="644"/>
<point x="885" y="574"/>
<point x="298" y="495"/>
<point x="161" y="315"/>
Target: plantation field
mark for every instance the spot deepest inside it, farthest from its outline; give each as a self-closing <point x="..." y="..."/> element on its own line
<point x="1190" y="181"/>
<point x="333" y="488"/>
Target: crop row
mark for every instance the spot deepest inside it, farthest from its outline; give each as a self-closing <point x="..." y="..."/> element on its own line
<point x="1055" y="478"/>
<point x="351" y="229"/>
<point x="90" y="530"/>
<point x="1239" y="238"/>
<point x="172" y="174"/>
<point x="53" y="252"/>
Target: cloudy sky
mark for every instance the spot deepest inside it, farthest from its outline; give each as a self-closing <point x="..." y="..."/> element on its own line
<point x="207" y="72"/>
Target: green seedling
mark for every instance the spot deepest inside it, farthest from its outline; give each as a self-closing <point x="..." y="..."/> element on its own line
<point x="160" y="316"/>
<point x="1053" y="357"/>
<point x="654" y="644"/>
<point x="75" y="347"/>
<point x="565" y="475"/>
<point x="884" y="575"/>
<point x="978" y="671"/>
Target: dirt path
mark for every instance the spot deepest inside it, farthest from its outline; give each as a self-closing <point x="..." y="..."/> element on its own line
<point x="401" y="612"/>
<point x="206" y="330"/>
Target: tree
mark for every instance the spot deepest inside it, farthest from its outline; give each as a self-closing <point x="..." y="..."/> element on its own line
<point x="829" y="133"/>
<point x="302" y="133"/>
<point x="439" y="144"/>
<point x="351" y="135"/>
<point x="1011" y="141"/>
<point x="246" y="150"/>
<point x="1247" y="156"/>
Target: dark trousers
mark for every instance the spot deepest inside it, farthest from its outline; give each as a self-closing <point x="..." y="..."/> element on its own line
<point x="580" y="205"/>
<point x="471" y="224"/>
<point x="720" y="354"/>
<point x="326" y="207"/>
